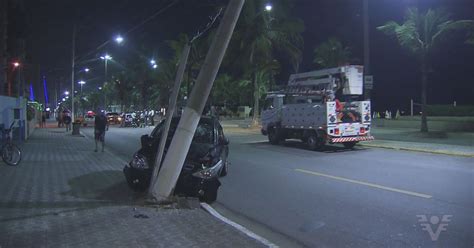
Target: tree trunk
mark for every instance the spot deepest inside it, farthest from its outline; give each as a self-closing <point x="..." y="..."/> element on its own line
<point x="424" y="89"/>
<point x="256" y="96"/>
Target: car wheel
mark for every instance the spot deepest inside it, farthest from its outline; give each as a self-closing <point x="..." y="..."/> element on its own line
<point x="224" y="169"/>
<point x="315" y="142"/>
<point x="210" y="195"/>
<point x="273" y="136"/>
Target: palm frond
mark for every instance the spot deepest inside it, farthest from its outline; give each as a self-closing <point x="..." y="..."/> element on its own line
<point x="447" y="27"/>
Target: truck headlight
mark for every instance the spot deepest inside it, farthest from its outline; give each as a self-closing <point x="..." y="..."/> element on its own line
<point x="210" y="172"/>
<point x="139" y="161"/>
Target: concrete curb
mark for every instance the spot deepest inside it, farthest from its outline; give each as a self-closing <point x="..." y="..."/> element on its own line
<point x="240" y="228"/>
<point x="443" y="152"/>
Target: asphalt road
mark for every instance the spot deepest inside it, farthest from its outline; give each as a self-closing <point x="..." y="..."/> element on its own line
<point x="342" y="198"/>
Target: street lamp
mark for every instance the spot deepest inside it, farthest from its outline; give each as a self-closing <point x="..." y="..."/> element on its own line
<point x="119" y="39"/>
<point x="105" y="57"/>
<point x="82" y="82"/>
<point x="86" y="69"/>
<point x="16" y="64"/>
<point x="268" y="7"/>
<point x="66" y="92"/>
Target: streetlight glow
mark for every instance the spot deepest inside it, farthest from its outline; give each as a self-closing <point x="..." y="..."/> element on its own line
<point x="66" y="92"/>
<point x="64" y="99"/>
<point x="106" y="57"/>
<point x="155" y="66"/>
<point x="100" y="88"/>
<point x="119" y="39"/>
<point x="268" y="7"/>
<point x="86" y="69"/>
<point x="152" y="62"/>
<point x="16" y="64"/>
<point x="82" y="82"/>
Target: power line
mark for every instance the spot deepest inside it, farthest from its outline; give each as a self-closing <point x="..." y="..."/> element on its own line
<point x="158" y="12"/>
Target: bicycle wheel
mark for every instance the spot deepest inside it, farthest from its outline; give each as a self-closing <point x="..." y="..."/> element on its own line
<point x="11" y="154"/>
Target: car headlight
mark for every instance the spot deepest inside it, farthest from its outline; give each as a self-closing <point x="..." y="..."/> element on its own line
<point x="139" y="161"/>
<point x="210" y="172"/>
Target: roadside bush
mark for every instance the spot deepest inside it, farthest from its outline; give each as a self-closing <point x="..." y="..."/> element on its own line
<point x="450" y="110"/>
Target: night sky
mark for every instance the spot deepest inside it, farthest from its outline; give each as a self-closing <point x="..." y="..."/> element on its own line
<point x="396" y="72"/>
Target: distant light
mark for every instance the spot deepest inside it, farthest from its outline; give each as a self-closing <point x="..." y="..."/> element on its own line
<point x="66" y="92"/>
<point x="153" y="62"/>
<point x="64" y="99"/>
<point x="155" y="66"/>
<point x="16" y="64"/>
<point x="100" y="88"/>
<point x="86" y="69"/>
<point x="82" y="82"/>
<point x="48" y="109"/>
<point x="67" y="97"/>
<point x="119" y="39"/>
<point x="75" y="92"/>
<point x="268" y="7"/>
<point x="106" y="57"/>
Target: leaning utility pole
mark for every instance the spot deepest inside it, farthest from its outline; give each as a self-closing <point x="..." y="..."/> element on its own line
<point x="183" y="136"/>
<point x="169" y="115"/>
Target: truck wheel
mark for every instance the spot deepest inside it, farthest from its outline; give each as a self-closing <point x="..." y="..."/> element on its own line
<point x="349" y="145"/>
<point x="273" y="136"/>
<point x="315" y="142"/>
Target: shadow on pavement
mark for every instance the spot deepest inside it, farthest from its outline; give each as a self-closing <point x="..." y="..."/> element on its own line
<point x="107" y="186"/>
<point x="302" y="146"/>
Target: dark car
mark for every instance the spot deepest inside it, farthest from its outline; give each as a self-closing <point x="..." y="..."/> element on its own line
<point x="208" y="148"/>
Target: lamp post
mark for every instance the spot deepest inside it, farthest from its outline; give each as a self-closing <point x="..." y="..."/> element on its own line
<point x="16" y="66"/>
<point x="82" y="82"/>
<point x="105" y="58"/>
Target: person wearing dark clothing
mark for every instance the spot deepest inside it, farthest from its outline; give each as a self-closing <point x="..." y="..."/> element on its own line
<point x="67" y="121"/>
<point x="99" y="130"/>
<point x="43" y="120"/>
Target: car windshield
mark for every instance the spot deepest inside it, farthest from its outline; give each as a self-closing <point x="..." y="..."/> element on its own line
<point x="204" y="131"/>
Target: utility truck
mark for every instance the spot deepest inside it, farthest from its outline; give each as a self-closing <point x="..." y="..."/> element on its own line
<point x="319" y="107"/>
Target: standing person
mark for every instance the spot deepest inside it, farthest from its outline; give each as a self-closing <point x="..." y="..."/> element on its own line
<point x="43" y="120"/>
<point x="67" y="121"/>
<point x="99" y="130"/>
<point x="152" y="117"/>
<point x="142" y="120"/>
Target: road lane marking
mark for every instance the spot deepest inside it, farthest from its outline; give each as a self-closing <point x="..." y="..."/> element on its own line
<point x="239" y="227"/>
<point x="373" y="185"/>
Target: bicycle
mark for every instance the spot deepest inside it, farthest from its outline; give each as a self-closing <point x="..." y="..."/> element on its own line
<point x="11" y="153"/>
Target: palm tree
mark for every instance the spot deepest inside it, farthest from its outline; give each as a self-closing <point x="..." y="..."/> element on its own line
<point x="331" y="53"/>
<point x="258" y="35"/>
<point x="421" y="34"/>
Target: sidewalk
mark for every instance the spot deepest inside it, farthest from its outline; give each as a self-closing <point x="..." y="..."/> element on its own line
<point x="459" y="144"/>
<point x="65" y="195"/>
